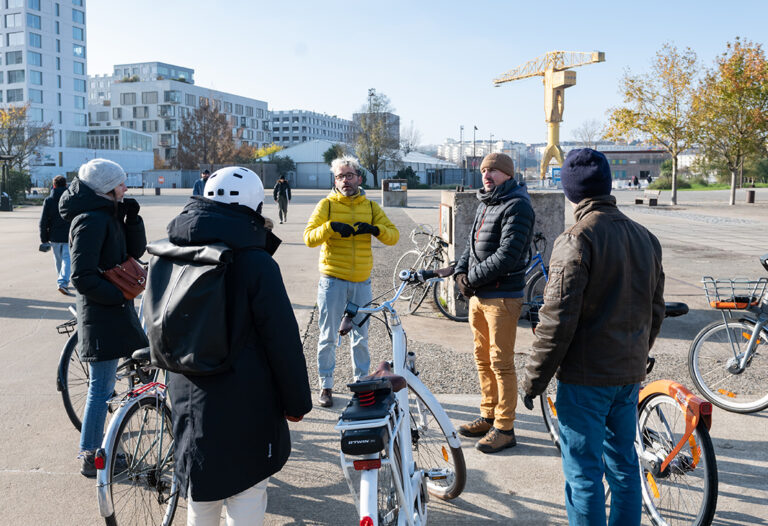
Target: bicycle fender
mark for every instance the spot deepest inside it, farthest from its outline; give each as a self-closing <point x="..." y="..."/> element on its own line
<point x="695" y="409"/>
<point x="103" y="488"/>
<point x="437" y="410"/>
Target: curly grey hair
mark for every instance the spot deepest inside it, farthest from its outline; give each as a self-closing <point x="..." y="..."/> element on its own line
<point x="346" y="160"/>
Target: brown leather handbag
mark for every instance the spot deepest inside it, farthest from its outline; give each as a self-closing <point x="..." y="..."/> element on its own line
<point x="129" y="276"/>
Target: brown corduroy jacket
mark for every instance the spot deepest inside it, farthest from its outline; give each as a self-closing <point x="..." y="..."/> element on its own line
<point x="603" y="304"/>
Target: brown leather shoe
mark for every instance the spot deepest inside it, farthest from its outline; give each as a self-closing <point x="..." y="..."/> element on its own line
<point x="495" y="440"/>
<point x="476" y="428"/>
<point x="326" y="398"/>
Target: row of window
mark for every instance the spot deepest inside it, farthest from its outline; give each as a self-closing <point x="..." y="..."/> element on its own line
<point x="36" y="59"/>
<point x="151" y="97"/>
<point x="36" y="41"/>
<point x="311" y="120"/>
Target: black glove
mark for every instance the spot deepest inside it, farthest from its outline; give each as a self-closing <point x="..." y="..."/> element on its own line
<point x="365" y="228"/>
<point x="44" y="247"/>
<point x="463" y="283"/>
<point x="343" y="229"/>
<point x="528" y="402"/>
<point x="131" y="207"/>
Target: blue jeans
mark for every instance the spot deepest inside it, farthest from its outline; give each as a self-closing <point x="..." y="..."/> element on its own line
<point x="332" y="296"/>
<point x="100" y="387"/>
<point x="61" y="257"/>
<point x="597" y="434"/>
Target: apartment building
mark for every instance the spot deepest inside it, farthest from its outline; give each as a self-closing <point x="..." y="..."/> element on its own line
<point x="154" y="98"/>
<point x="290" y="127"/>
<point x="43" y="64"/>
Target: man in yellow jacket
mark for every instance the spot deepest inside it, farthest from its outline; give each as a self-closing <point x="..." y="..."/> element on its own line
<point x="343" y="223"/>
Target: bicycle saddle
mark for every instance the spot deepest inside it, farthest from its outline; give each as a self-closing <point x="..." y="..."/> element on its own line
<point x="673" y="309"/>
<point x="141" y="355"/>
<point x="384" y="372"/>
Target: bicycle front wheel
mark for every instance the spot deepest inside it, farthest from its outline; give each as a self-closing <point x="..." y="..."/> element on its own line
<point x="686" y="492"/>
<point x="72" y="381"/>
<point x="411" y="260"/>
<point x="548" y="411"/>
<point x="534" y="288"/>
<point x="140" y="471"/>
<point x="442" y="291"/>
<point x="443" y="465"/>
<point x="714" y="364"/>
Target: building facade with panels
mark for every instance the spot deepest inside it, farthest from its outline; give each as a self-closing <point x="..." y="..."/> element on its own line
<point x="290" y="127"/>
<point x="43" y="64"/>
<point x="154" y="98"/>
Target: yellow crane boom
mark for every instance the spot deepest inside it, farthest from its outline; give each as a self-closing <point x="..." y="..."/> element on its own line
<point x="553" y="66"/>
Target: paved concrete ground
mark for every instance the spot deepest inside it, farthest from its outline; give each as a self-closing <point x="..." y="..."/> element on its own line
<point x="39" y="479"/>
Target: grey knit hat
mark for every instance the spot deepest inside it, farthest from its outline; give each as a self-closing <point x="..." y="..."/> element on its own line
<point x="101" y="175"/>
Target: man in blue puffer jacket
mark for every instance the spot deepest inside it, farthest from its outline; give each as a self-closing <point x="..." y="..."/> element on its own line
<point x="491" y="272"/>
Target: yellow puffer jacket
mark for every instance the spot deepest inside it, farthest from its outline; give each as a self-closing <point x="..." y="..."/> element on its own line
<point x="347" y="258"/>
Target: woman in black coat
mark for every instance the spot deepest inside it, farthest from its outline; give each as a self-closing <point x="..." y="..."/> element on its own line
<point x="105" y="230"/>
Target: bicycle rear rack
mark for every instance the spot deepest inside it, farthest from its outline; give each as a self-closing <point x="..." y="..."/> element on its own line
<point x="737" y="294"/>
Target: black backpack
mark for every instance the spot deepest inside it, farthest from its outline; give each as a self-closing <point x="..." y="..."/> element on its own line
<point x="185" y="308"/>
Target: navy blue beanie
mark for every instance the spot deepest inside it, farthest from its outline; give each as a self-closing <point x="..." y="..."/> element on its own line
<point x="585" y="173"/>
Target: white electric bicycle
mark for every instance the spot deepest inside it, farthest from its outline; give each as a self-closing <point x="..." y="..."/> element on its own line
<point x="403" y="446"/>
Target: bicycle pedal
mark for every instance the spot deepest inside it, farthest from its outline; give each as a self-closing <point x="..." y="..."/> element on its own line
<point x="436" y="474"/>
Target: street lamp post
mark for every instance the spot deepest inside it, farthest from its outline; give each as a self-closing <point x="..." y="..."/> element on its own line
<point x="461" y="153"/>
<point x="474" y="154"/>
<point x="490" y="144"/>
<point x="5" y="199"/>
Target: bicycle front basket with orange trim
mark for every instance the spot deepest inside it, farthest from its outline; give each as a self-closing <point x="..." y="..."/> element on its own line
<point x="736" y="294"/>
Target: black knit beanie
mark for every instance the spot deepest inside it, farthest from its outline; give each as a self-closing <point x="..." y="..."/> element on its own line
<point x="585" y="173"/>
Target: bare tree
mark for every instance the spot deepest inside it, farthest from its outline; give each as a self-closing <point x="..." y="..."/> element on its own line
<point x="588" y="133"/>
<point x="410" y="138"/>
<point x="375" y="141"/>
<point x="205" y="138"/>
<point x="19" y="138"/>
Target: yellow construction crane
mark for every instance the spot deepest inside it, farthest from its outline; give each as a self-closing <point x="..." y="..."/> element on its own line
<point x="554" y="67"/>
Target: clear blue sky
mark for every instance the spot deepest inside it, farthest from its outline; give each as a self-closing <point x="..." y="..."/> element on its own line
<point x="435" y="60"/>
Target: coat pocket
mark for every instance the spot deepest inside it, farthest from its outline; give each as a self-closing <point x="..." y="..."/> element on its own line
<point x="554" y="288"/>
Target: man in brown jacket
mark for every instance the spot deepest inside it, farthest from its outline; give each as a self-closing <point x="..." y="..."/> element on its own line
<point x="603" y="307"/>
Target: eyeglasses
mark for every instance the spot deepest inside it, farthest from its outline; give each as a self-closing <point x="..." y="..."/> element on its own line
<point x="348" y="175"/>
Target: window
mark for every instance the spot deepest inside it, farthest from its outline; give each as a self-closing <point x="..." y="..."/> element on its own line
<point x="203" y="102"/>
<point x="128" y="99"/>
<point x="170" y="125"/>
<point x="13" y="57"/>
<point x="167" y="110"/>
<point x="34" y="4"/>
<point x="58" y="81"/>
<point x="13" y="20"/>
<point x="58" y="99"/>
<point x="56" y="10"/>
<point x="58" y="46"/>
<point x="35" y="40"/>
<point x="183" y="112"/>
<point x="56" y="26"/>
<point x="15" y="3"/>
<point x="79" y="102"/>
<point x="80" y="85"/>
<point x="33" y="58"/>
<point x="15" y="75"/>
<point x="78" y="16"/>
<point x="33" y="21"/>
<point x="249" y="111"/>
<point x="238" y="109"/>
<point x="15" y="39"/>
<point x="102" y="116"/>
<point x="36" y="95"/>
<point x="36" y="77"/>
<point x="15" y="95"/>
<point x="79" y="68"/>
<point x="128" y="124"/>
<point x="35" y="114"/>
<point x="78" y="50"/>
<point x="81" y="119"/>
<point x="1" y="79"/>
<point x="227" y="107"/>
<point x="189" y="100"/>
<point x="149" y="97"/>
<point x="140" y="112"/>
<point x="149" y="126"/>
<point x="78" y="2"/>
<point x="172" y="96"/>
<point x="78" y="33"/>
<point x="117" y="113"/>
<point x="243" y="122"/>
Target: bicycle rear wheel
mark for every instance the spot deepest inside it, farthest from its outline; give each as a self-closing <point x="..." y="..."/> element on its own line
<point x="713" y="363"/>
<point x="72" y="381"/>
<point x="534" y="287"/>
<point x="441" y="292"/>
<point x="140" y="471"/>
<point x="686" y="492"/>
<point x="444" y="465"/>
<point x="548" y="411"/>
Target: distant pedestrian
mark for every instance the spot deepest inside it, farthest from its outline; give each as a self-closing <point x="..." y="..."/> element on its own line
<point x="635" y="182"/>
<point x="200" y="183"/>
<point x="54" y="233"/>
<point x="106" y="229"/>
<point x="282" y="194"/>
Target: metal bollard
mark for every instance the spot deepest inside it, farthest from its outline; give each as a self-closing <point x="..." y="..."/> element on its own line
<point x="750" y="196"/>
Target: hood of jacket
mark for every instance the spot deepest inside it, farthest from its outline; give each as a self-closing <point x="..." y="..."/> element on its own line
<point x="205" y="222"/>
<point x="79" y="198"/>
<point x="510" y="189"/>
<point x="57" y="192"/>
<point x="337" y="196"/>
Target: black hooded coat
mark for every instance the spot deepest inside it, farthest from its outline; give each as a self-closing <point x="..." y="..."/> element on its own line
<point x="229" y="428"/>
<point x="100" y="238"/>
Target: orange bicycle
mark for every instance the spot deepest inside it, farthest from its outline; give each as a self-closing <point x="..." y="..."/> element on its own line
<point x="675" y="452"/>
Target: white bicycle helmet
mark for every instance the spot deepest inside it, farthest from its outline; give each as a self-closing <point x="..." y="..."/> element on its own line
<point x="235" y="185"/>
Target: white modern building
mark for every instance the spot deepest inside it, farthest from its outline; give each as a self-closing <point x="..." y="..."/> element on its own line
<point x="154" y="98"/>
<point x="44" y="65"/>
<point x="290" y="127"/>
<point x="457" y="152"/>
